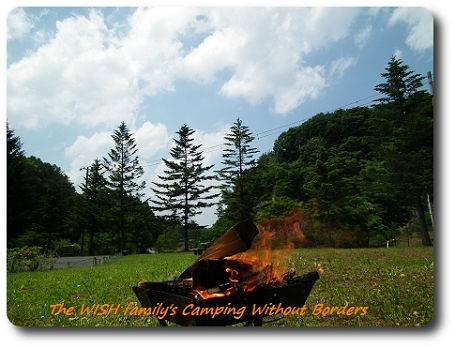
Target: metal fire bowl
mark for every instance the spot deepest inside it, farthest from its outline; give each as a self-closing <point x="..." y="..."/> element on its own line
<point x="293" y="294"/>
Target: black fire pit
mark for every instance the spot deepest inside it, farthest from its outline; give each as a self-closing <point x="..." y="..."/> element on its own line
<point x="230" y="301"/>
<point x="242" y="307"/>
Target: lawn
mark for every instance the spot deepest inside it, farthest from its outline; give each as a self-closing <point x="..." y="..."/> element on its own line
<point x="396" y="284"/>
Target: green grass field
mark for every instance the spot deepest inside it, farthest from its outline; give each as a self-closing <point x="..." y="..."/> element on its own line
<point x="396" y="284"/>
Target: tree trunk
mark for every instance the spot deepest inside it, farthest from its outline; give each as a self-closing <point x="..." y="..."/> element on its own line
<point x="82" y="241"/>
<point x="90" y="247"/>
<point x="186" y="232"/>
<point x="122" y="225"/>
<point x="423" y="225"/>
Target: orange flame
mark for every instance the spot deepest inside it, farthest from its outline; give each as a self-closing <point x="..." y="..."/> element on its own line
<point x="268" y="257"/>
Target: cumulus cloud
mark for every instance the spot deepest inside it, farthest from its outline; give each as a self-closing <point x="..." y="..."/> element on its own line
<point x="266" y="49"/>
<point x="77" y="77"/>
<point x="420" y="26"/>
<point x="151" y="138"/>
<point x="19" y="24"/>
<point x="92" y="74"/>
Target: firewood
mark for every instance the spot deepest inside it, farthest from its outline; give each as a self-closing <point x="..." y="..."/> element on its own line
<point x="209" y="273"/>
<point x="237" y="239"/>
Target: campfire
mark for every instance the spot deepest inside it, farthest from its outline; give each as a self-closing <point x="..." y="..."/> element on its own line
<point x="243" y="277"/>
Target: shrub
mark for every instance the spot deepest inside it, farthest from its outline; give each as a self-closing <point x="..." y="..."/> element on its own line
<point x="25" y="258"/>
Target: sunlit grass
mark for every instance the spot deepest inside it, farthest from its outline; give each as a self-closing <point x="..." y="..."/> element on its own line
<point x="396" y="284"/>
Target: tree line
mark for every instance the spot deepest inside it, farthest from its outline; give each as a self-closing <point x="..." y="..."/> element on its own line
<point x="109" y="214"/>
<point x="362" y="176"/>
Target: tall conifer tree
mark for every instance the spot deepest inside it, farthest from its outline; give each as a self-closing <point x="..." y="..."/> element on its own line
<point x="237" y="158"/>
<point x="122" y="165"/>
<point x="406" y="142"/>
<point x="94" y="202"/>
<point x="182" y="191"/>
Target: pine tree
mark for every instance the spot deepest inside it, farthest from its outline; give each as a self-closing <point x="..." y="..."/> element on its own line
<point x="401" y="84"/>
<point x="405" y="142"/>
<point x="93" y="203"/>
<point x="124" y="170"/>
<point x="182" y="191"/>
<point x="17" y="188"/>
<point x="237" y="158"/>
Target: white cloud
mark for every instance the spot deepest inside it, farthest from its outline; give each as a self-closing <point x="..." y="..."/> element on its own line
<point x="265" y="50"/>
<point x="420" y="26"/>
<point x="151" y="138"/>
<point x="152" y="46"/>
<point x="19" y="24"/>
<point x="363" y="35"/>
<point x="95" y="75"/>
<point x="308" y="82"/>
<point x="84" y="151"/>
<point x="218" y="51"/>
<point x="78" y="77"/>
<point x="339" y="66"/>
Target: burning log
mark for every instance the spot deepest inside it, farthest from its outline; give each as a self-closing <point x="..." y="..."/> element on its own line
<point x="209" y="273"/>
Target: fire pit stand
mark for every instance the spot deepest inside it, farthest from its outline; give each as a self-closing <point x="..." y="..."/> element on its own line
<point x="293" y="294"/>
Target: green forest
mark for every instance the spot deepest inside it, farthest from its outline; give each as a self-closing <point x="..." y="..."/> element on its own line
<point x="361" y="177"/>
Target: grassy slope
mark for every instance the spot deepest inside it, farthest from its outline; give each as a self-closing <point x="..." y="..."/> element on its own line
<point x="396" y="284"/>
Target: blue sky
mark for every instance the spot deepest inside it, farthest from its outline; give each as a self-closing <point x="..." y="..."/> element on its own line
<point x="73" y="74"/>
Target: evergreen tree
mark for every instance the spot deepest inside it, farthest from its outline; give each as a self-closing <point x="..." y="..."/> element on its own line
<point x="17" y="187"/>
<point x="146" y="226"/>
<point x="50" y="196"/>
<point x="237" y="159"/>
<point x="400" y="86"/>
<point x="405" y="137"/>
<point x="124" y="170"/>
<point x="323" y="186"/>
<point x="182" y="191"/>
<point x="94" y="202"/>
